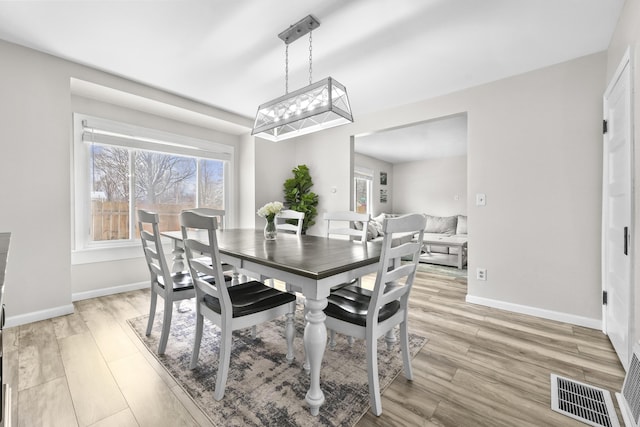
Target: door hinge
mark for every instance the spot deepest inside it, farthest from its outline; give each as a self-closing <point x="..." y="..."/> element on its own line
<point x="604" y="127"/>
<point x="604" y="297"/>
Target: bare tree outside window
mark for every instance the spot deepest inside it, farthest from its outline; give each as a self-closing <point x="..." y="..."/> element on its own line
<point x="164" y="179"/>
<point x="211" y="184"/>
<point x="109" y="171"/>
<point x="164" y="183"/>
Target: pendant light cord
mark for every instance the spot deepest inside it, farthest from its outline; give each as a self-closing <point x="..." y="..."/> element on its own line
<point x="286" y="69"/>
<point x="310" y="57"/>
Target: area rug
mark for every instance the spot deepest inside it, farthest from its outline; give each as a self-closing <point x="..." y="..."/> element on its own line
<point x="262" y="389"/>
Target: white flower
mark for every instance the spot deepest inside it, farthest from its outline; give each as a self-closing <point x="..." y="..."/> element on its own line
<point x="270" y="210"/>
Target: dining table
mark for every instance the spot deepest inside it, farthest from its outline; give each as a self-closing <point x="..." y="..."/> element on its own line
<point x="313" y="264"/>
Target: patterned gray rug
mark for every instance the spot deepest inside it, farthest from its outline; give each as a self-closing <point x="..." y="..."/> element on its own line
<point x="262" y="389"/>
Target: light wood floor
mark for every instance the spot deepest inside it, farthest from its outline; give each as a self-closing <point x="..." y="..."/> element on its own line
<point x="480" y="367"/>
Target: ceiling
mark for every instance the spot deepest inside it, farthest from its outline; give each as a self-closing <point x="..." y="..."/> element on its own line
<point x="387" y="53"/>
<point x="442" y="137"/>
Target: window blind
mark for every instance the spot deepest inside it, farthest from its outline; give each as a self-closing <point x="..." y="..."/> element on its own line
<point x="105" y="132"/>
<point x="363" y="173"/>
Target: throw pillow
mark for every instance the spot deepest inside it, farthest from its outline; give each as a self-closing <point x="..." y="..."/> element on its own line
<point x="441" y="224"/>
<point x="461" y="228"/>
<point x="376" y="223"/>
<point x="377" y="226"/>
<point x="380" y="218"/>
<point x="372" y="231"/>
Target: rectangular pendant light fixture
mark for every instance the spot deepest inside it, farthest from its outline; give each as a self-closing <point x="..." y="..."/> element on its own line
<point x="320" y="105"/>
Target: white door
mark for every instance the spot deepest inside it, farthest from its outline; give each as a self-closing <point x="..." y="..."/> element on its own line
<point x="617" y="213"/>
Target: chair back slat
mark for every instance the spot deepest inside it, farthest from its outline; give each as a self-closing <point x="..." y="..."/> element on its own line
<point x="285" y="219"/>
<point x="148" y="226"/>
<point x="192" y="224"/>
<point x="395" y="278"/>
<point x="350" y="229"/>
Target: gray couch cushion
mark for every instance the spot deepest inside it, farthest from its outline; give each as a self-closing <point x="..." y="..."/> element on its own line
<point x="441" y="224"/>
<point x="372" y="232"/>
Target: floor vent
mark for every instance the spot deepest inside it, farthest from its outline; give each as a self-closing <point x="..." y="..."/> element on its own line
<point x="591" y="405"/>
<point x="629" y="398"/>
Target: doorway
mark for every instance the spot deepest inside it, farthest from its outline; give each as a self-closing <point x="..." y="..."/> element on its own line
<point x="617" y="212"/>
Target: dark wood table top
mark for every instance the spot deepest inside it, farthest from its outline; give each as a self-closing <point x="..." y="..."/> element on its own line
<point x="308" y="256"/>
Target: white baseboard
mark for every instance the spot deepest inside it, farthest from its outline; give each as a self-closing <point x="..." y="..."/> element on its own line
<point x="538" y="312"/>
<point x="50" y="313"/>
<point x="36" y="316"/>
<point x="79" y="296"/>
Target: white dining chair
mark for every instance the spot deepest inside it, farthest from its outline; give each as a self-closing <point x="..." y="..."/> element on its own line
<point x="171" y="287"/>
<point x="219" y="215"/>
<point x="285" y="221"/>
<point x="353" y="225"/>
<point x="364" y="314"/>
<point x="229" y="307"/>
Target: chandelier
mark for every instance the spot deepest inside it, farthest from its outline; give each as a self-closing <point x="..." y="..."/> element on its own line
<point x="320" y="105"/>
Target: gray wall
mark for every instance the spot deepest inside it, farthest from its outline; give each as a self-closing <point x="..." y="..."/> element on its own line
<point x="435" y="186"/>
<point x="534" y="149"/>
<point x="36" y="172"/>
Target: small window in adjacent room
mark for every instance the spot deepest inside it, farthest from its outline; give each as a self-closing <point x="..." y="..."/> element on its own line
<point x="121" y="168"/>
<point x="362" y="184"/>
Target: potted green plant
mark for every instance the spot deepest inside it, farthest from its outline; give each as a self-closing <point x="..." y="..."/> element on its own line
<point x="299" y="197"/>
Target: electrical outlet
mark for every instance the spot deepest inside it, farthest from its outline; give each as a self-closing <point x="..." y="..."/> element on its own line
<point x="481" y="273"/>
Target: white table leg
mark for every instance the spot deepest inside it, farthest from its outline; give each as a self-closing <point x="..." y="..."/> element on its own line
<point x="177" y="266"/>
<point x="178" y="257"/>
<point x="315" y="341"/>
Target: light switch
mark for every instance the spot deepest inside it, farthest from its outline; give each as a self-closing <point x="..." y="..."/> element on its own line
<point x="481" y="199"/>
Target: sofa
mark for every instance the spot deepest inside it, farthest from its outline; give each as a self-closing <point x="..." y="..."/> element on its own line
<point x="375" y="233"/>
<point x="455" y="225"/>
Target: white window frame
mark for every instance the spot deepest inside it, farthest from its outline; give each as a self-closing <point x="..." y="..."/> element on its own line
<point x="367" y="175"/>
<point x="85" y="250"/>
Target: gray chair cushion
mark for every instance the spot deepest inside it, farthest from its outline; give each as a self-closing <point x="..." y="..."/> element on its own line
<point x="351" y="304"/>
<point x="251" y="297"/>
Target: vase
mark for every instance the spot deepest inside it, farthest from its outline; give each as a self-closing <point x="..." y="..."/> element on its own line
<point x="270" y="230"/>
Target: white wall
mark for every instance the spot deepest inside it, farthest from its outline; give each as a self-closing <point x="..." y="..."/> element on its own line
<point x="627" y="34"/>
<point x="35" y="161"/>
<point x="328" y="156"/>
<point x="534" y="149"/>
<point x="434" y="186"/>
<point x="35" y="167"/>
<point x="246" y="185"/>
<point x="274" y="162"/>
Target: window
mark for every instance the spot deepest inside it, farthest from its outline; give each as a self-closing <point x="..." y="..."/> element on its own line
<point x="362" y="183"/>
<point x="122" y="168"/>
